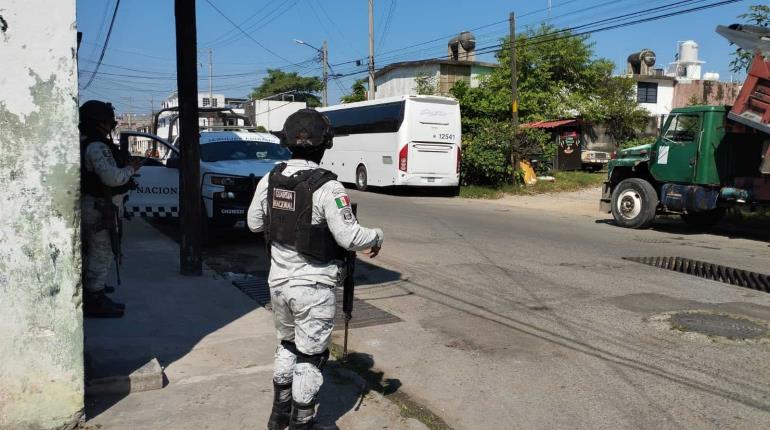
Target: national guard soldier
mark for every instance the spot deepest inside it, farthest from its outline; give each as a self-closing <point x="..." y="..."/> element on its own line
<point x="309" y="225"/>
<point x="101" y="180"/>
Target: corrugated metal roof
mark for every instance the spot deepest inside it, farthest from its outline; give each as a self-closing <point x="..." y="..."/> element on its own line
<point x="550" y="124"/>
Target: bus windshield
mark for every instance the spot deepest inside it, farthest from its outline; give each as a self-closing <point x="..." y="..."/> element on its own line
<point x="243" y="150"/>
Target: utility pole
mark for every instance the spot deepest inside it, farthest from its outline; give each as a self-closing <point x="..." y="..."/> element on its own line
<point x="514" y="98"/>
<point x="325" y="59"/>
<point x="189" y="165"/>
<point x="211" y="71"/>
<point x="371" y="50"/>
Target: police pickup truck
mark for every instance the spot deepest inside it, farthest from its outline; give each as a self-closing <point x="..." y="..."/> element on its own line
<point x="232" y="161"/>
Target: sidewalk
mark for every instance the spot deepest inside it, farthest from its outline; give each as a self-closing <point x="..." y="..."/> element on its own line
<point x="216" y="350"/>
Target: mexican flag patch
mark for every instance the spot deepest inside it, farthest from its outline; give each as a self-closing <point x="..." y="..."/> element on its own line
<point x="342" y="201"/>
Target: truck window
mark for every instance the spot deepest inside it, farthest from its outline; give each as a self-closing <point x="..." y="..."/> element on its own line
<point x="682" y="128"/>
<point x="243" y="150"/>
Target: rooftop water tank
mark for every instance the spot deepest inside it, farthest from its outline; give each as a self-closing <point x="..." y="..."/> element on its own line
<point x="688" y="52"/>
<point x="711" y="76"/>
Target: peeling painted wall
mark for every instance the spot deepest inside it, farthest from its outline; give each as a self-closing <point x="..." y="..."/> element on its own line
<point x="41" y="346"/>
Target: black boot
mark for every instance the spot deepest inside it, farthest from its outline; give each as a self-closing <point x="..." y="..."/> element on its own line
<point x="281" y="414"/>
<point x="98" y="305"/>
<point x="302" y="416"/>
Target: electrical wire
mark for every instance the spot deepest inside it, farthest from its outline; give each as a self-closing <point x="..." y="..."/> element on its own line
<point x="386" y="27"/>
<point x="104" y="47"/>
<point x="558" y="35"/>
<point x="248" y="35"/>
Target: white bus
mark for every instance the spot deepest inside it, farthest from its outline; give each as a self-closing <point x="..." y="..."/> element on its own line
<point x="406" y="140"/>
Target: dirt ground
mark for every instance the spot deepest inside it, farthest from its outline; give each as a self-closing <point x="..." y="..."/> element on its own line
<point x="583" y="203"/>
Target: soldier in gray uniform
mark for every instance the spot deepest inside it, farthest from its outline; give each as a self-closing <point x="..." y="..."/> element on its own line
<point x="101" y="178"/>
<point x="309" y="225"/>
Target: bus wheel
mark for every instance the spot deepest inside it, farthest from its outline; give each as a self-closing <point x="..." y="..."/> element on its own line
<point x="361" y="178"/>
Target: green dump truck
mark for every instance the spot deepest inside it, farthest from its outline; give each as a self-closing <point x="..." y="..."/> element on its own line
<point x="701" y="163"/>
<point x="705" y="159"/>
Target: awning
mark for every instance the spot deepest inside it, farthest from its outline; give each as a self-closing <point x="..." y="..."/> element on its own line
<point x="551" y="124"/>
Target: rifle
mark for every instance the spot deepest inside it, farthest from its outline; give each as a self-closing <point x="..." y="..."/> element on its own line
<point x="112" y="222"/>
<point x="348" y="287"/>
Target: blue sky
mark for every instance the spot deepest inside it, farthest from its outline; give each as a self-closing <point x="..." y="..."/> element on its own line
<point x="139" y="65"/>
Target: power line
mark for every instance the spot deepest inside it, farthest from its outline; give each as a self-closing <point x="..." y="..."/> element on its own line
<point x="386" y="26"/>
<point x="104" y="47"/>
<point x="548" y="37"/>
<point x="248" y="35"/>
<point x="267" y="19"/>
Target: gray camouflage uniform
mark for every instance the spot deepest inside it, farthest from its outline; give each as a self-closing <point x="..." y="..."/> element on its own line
<point x="98" y="256"/>
<point x="302" y="292"/>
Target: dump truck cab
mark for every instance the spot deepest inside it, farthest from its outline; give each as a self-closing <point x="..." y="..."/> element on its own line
<point x="701" y="163"/>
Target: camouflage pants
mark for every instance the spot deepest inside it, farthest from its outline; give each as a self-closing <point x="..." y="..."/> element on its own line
<point x="303" y="314"/>
<point x="97" y="258"/>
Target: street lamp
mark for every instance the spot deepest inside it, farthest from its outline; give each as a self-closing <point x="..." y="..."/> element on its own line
<point x="325" y="61"/>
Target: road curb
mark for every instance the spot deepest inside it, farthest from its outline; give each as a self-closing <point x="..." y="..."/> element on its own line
<point x="112" y="380"/>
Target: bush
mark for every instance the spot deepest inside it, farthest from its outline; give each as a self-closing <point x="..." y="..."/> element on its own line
<point x="487" y="153"/>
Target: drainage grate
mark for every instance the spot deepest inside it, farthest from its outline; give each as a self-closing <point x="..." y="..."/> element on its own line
<point x="715" y="272"/>
<point x="364" y="314"/>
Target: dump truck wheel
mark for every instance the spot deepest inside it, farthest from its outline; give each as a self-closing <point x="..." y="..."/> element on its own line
<point x="634" y="203"/>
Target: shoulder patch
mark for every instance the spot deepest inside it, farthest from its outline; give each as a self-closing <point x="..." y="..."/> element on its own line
<point x="342" y="201"/>
<point x="107" y="153"/>
<point x="347" y="215"/>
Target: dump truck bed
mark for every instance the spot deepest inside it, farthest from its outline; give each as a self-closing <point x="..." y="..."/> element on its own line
<point x="752" y="108"/>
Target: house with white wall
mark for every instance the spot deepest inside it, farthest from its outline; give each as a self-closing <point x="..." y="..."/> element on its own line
<point x="400" y="79"/>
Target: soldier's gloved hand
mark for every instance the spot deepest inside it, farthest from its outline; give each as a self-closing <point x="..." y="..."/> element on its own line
<point x="375" y="250"/>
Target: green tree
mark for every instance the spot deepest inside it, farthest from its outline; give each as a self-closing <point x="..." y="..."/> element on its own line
<point x="558" y="77"/>
<point x="304" y="88"/>
<point x="613" y="103"/>
<point x="426" y="84"/>
<point x="757" y="15"/>
<point x="358" y="92"/>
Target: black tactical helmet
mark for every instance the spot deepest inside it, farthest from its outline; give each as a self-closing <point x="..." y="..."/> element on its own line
<point x="307" y="128"/>
<point x="94" y="111"/>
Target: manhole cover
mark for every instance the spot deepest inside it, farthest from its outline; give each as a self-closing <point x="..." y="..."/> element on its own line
<point x="719" y="325"/>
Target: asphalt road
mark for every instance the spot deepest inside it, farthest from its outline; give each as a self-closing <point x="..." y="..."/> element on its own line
<point x="529" y="318"/>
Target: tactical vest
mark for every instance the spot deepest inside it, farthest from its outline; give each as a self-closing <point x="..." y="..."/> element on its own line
<point x="90" y="182"/>
<point x="290" y="213"/>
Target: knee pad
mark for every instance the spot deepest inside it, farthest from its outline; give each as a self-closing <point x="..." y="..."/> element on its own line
<point x="284" y="365"/>
<point x="318" y="360"/>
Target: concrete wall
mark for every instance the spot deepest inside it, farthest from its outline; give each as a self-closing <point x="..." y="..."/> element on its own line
<point x="401" y="81"/>
<point x="705" y="92"/>
<point x="41" y="347"/>
<point x="271" y="114"/>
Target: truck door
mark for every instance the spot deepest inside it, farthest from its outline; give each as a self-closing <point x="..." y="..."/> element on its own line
<point x="157" y="191"/>
<point x="676" y="155"/>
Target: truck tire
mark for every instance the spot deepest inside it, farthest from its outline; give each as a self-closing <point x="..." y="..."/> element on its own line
<point x="362" y="178"/>
<point x="634" y="203"/>
<point x="704" y="219"/>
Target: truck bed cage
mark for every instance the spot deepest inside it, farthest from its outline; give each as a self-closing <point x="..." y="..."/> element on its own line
<point x="222" y="113"/>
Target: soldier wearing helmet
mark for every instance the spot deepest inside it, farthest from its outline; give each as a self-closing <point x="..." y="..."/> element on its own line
<point x="309" y="225"/>
<point x="101" y="180"/>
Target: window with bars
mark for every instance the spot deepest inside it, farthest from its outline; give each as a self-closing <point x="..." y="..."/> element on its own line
<point x="647" y="92"/>
<point x="206" y="102"/>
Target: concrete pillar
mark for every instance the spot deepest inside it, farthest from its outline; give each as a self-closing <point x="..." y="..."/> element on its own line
<point x="41" y="324"/>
